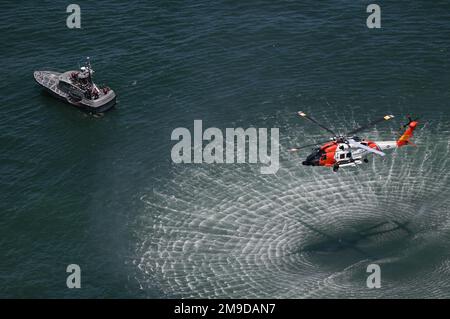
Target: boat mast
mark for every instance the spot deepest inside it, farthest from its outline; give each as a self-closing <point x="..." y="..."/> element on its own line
<point x="88" y="64"/>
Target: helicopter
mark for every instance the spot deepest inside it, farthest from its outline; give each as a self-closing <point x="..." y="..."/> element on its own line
<point x="350" y="150"/>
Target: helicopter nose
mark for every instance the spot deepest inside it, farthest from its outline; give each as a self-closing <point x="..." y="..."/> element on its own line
<point x="306" y="163"/>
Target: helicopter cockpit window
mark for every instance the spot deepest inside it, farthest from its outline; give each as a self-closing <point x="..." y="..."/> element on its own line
<point x="342" y="156"/>
<point x="314" y="156"/>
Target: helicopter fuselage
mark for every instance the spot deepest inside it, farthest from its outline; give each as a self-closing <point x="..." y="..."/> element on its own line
<point x="341" y="154"/>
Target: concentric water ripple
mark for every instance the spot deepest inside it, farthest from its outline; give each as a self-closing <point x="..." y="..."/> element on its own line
<point x="228" y="231"/>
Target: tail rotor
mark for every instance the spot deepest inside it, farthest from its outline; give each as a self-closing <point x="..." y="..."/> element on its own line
<point x="410" y="119"/>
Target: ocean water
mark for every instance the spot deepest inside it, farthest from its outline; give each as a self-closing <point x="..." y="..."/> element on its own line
<point x="102" y="192"/>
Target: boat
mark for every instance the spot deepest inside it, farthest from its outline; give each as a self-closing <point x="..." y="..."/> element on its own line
<point x="77" y="88"/>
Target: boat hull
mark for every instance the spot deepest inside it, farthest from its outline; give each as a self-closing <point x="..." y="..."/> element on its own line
<point x="49" y="82"/>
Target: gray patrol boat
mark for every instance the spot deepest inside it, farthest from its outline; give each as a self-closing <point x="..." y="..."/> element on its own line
<point x="77" y="88"/>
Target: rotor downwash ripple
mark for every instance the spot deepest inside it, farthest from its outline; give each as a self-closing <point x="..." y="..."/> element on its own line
<point x="220" y="231"/>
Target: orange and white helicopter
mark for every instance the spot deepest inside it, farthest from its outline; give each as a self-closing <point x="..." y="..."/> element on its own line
<point x="349" y="149"/>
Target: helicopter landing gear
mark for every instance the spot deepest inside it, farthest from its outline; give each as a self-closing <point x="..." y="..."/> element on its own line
<point x="365" y="160"/>
<point x="335" y="168"/>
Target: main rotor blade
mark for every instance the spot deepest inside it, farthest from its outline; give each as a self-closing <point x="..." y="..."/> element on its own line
<point x="362" y="128"/>
<point x="298" y="148"/>
<point x="302" y="114"/>
<point x="367" y="148"/>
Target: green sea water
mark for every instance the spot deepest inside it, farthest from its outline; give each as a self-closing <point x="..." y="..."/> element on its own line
<point x="103" y="193"/>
